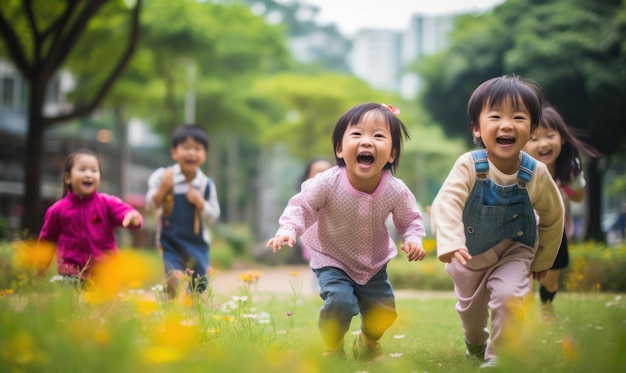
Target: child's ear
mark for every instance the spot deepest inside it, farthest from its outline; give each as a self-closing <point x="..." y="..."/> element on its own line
<point x="338" y="151"/>
<point x="67" y="179"/>
<point x="392" y="156"/>
<point x="476" y="131"/>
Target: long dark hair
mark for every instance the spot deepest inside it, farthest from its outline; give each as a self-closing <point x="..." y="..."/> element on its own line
<point x="568" y="164"/>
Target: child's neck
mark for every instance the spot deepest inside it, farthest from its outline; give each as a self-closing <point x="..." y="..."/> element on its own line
<point x="508" y="166"/>
<point x="189" y="176"/>
<point x="368" y="186"/>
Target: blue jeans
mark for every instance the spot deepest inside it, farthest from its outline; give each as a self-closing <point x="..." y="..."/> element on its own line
<point x="344" y="299"/>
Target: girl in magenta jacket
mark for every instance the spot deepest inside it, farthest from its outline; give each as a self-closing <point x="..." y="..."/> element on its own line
<point x="82" y="224"/>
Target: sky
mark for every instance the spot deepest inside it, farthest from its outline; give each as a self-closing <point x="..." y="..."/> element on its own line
<point x="353" y="15"/>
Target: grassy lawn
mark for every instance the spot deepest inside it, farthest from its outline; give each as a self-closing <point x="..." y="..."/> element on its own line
<point x="56" y="328"/>
<point x="123" y="325"/>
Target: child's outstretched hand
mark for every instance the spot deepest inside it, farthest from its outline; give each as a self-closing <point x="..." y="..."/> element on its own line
<point x="277" y="242"/>
<point x="413" y="251"/>
<point x="133" y="218"/>
<point x="462" y="255"/>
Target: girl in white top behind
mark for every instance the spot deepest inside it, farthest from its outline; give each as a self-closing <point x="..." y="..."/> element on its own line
<point x="555" y="145"/>
<point x="341" y="215"/>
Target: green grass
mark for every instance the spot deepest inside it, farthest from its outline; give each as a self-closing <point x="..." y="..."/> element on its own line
<point x="53" y="328"/>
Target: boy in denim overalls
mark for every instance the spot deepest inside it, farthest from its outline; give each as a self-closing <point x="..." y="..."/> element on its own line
<point x="498" y="216"/>
<point x="186" y="201"/>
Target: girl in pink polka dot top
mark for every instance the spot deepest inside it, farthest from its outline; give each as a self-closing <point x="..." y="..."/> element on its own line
<point x="340" y="217"/>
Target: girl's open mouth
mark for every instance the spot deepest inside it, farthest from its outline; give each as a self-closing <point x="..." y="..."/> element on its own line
<point x="365" y="158"/>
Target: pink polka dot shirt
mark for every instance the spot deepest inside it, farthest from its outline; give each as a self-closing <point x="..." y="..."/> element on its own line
<point x="346" y="228"/>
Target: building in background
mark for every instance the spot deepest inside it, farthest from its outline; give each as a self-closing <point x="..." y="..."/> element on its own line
<point x="425" y="35"/>
<point x="376" y="58"/>
<point x="383" y="57"/>
<point x="380" y="57"/>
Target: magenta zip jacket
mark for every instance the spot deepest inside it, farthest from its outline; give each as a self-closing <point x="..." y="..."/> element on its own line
<point x="83" y="229"/>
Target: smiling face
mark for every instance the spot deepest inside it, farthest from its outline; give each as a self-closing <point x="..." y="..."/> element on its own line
<point x="366" y="148"/>
<point x="545" y="145"/>
<point x="84" y="176"/>
<point x="189" y="154"/>
<point x="504" y="131"/>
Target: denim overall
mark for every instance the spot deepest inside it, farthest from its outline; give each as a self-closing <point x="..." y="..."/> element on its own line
<point x="494" y="212"/>
<point x="182" y="247"/>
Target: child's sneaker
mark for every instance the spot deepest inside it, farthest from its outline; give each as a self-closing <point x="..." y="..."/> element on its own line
<point x="489" y="363"/>
<point x="362" y="352"/>
<point x="335" y="352"/>
<point x="547" y="313"/>
<point x="475" y="352"/>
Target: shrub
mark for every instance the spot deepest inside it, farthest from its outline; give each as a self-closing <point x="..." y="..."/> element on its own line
<point x="595" y="267"/>
<point x="429" y="274"/>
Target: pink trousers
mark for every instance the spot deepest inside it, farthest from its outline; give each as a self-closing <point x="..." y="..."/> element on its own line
<point x="494" y="281"/>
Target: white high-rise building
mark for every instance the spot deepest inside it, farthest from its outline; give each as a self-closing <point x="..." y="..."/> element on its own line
<point x="381" y="57"/>
<point x="425" y="35"/>
<point x="375" y="58"/>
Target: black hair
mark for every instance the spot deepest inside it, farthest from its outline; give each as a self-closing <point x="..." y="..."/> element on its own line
<point x="354" y="115"/>
<point x="69" y="163"/>
<point x="308" y="166"/>
<point x="568" y="164"/>
<point x="494" y="92"/>
<point x="182" y="133"/>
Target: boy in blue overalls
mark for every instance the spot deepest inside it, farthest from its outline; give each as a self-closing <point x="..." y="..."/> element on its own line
<point x="186" y="202"/>
<point x="498" y="217"/>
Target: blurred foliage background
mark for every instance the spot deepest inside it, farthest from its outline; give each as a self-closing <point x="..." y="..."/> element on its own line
<point x="267" y="114"/>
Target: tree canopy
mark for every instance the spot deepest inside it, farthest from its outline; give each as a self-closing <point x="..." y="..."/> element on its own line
<point x="38" y="37"/>
<point x="574" y="49"/>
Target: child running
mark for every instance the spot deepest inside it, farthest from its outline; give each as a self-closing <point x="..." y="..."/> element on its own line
<point x="484" y="214"/>
<point x="186" y="202"/>
<point x="554" y="144"/>
<point x="341" y="215"/>
<point x="82" y="224"/>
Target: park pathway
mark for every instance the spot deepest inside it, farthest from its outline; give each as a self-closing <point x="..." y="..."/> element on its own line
<point x="284" y="280"/>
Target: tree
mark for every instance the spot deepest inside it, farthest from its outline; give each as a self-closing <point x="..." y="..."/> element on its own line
<point x="38" y="42"/>
<point x="573" y="49"/>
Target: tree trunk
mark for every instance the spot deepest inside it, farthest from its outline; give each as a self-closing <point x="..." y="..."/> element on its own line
<point x="33" y="211"/>
<point x="594" y="201"/>
<point x="232" y="184"/>
<point x="124" y="153"/>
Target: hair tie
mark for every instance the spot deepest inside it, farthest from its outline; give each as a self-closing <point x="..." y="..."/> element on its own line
<point x="394" y="110"/>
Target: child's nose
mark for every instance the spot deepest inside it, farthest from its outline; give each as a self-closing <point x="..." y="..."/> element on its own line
<point x="366" y="140"/>
<point x="506" y="123"/>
